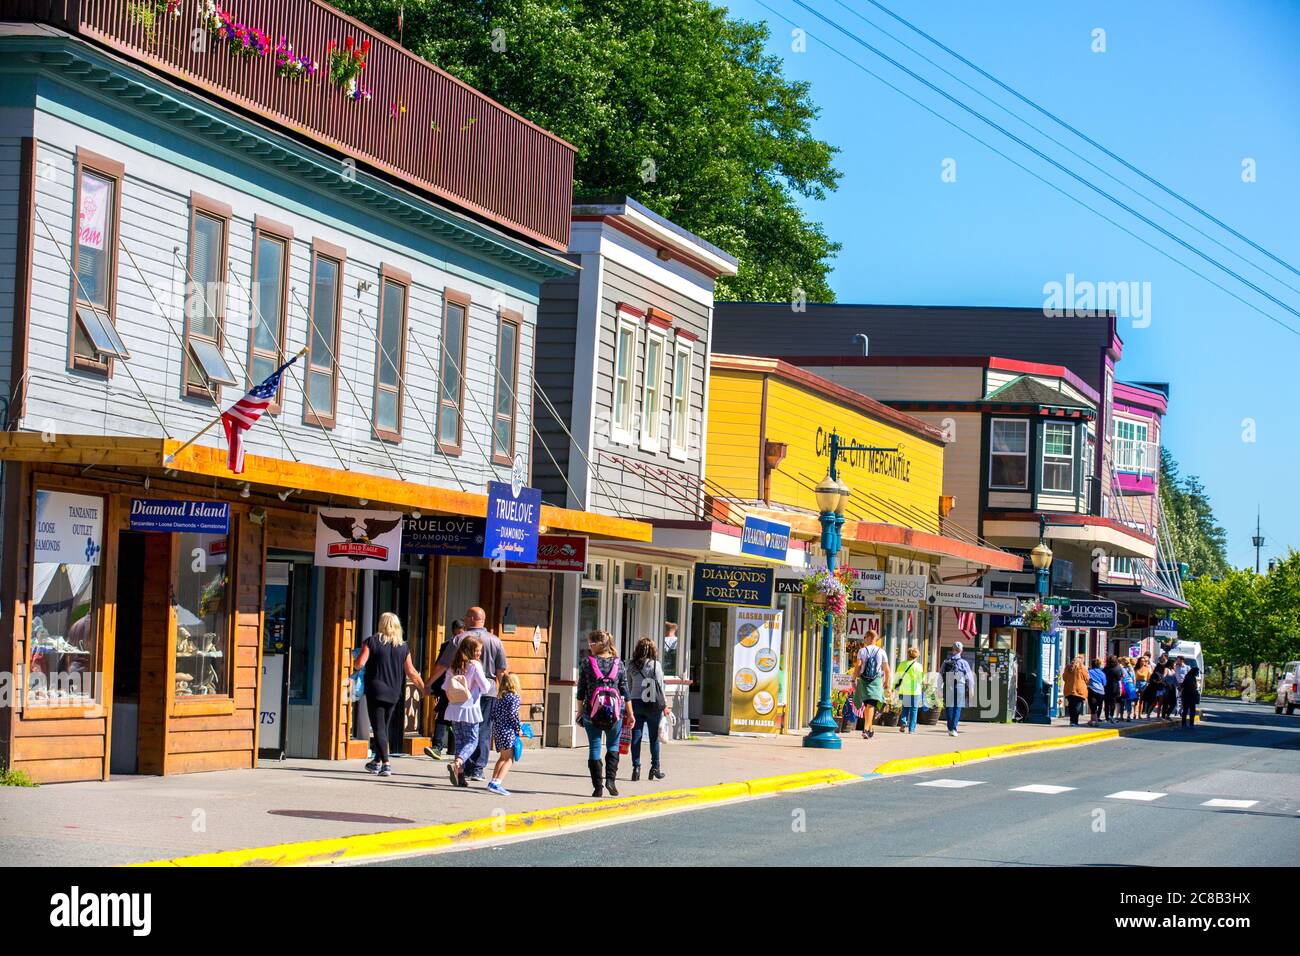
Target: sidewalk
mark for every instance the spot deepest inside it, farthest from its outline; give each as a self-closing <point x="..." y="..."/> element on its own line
<point x="136" y="819"/>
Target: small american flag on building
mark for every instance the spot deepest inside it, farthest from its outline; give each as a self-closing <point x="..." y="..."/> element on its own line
<point x="243" y="415"/>
<point x="967" y="623"/>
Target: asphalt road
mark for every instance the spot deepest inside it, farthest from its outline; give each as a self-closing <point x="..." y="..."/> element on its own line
<point x="1141" y="800"/>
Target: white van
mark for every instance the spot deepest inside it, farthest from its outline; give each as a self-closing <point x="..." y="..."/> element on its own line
<point x="1191" y="652"/>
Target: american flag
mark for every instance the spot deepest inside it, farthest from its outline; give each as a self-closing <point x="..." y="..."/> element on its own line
<point x="243" y="415"/>
<point x="966" y="623"/>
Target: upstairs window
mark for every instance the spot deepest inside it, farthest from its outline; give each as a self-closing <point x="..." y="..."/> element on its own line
<point x="624" y="377"/>
<point x="1058" y="458"/>
<point x="95" y="342"/>
<point x="507" y="384"/>
<point x="205" y="367"/>
<point x="451" y="393"/>
<point x="271" y="245"/>
<point x="1009" y="453"/>
<point x="390" y="370"/>
<point x="652" y="393"/>
<point x="325" y="310"/>
<point x="679" y="420"/>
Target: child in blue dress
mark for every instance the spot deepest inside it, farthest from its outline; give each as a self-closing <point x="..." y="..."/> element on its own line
<point x="506" y="729"/>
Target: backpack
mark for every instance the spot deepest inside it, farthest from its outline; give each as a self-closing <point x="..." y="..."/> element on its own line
<point x="604" y="704"/>
<point x="871" y="666"/>
<point x="456" y="688"/>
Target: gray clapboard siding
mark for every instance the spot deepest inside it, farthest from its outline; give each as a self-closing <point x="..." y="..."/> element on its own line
<point x="10" y="185"/>
<point x="557" y="343"/>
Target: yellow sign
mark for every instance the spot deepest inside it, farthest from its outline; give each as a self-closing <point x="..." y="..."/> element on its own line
<point x="755" y="672"/>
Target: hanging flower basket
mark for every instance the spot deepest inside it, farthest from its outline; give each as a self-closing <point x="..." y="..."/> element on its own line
<point x="1039" y="616"/>
<point x="826" y="595"/>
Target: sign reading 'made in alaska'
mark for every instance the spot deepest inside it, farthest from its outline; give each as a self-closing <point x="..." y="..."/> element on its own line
<point x="733" y="584"/>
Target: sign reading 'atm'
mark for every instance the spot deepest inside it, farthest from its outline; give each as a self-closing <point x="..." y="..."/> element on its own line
<point x="736" y="585"/>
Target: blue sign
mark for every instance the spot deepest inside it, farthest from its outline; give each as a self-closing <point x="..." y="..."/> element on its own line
<point x="194" y="517"/>
<point x="736" y="585"/>
<point x="449" y="535"/>
<point x="513" y="521"/>
<point x="1101" y="614"/>
<point x="1166" y="627"/>
<point x="765" y="539"/>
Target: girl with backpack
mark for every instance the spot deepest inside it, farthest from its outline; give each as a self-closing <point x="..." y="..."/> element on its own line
<point x="1128" y="689"/>
<point x="506" y="729"/>
<point x="464" y="685"/>
<point x="387" y="663"/>
<point x="604" y="702"/>
<point x="649" y="704"/>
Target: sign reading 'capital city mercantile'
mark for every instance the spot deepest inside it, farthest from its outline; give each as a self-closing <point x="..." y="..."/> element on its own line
<point x="731" y="584"/>
<point x="195" y="517"/>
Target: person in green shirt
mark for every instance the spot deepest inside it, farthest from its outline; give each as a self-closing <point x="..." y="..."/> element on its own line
<point x="910" y="690"/>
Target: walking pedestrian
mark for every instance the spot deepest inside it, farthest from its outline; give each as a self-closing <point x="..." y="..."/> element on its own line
<point x="1114" y="677"/>
<point x="604" y="696"/>
<point x="493" y="661"/>
<point x="871" y="674"/>
<point x="909" y="687"/>
<point x="441" y="728"/>
<point x="1180" y="674"/>
<point x="1128" y="689"/>
<point x="1154" y="693"/>
<point x="649" y="705"/>
<point x="506" y="729"/>
<point x="465" y="685"/>
<point x="1191" y="696"/>
<point x="1171" y="693"/>
<point x="958" y="682"/>
<point x="1096" y="692"/>
<point x="1074" y="685"/>
<point x="387" y="663"/>
<point x="1142" y="675"/>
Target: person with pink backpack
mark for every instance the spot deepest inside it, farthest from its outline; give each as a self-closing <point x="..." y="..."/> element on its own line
<point x="604" y="704"/>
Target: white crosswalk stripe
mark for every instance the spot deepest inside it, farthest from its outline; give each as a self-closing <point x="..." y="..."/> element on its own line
<point x="1146" y="795"/>
<point x="950" y="784"/>
<point x="1047" y="788"/>
<point x="1230" y="804"/>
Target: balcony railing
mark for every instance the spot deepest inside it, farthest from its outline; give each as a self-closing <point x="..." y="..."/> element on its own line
<point x="450" y="140"/>
<point x="1137" y="457"/>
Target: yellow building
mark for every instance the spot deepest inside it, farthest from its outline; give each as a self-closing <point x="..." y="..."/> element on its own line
<point x="769" y="428"/>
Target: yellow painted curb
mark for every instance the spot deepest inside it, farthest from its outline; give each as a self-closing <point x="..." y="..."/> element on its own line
<point x="952" y="758"/>
<point x="446" y="835"/>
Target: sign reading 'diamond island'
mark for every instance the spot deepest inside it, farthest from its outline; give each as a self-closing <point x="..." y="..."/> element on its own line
<point x="513" y="521"/>
<point x="736" y="585"/>
<point x="69" y="528"/>
<point x="765" y="539"/>
<point x="194" y="517"/>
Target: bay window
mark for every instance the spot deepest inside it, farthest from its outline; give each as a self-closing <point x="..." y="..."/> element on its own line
<point x="1058" y="457"/>
<point x="1009" y="453"/>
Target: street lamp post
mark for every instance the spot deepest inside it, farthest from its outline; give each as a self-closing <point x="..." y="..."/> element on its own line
<point x="1041" y="556"/>
<point x="832" y="498"/>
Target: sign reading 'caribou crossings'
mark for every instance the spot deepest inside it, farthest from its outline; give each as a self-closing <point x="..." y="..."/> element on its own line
<point x="733" y="584"/>
<point x="891" y="464"/>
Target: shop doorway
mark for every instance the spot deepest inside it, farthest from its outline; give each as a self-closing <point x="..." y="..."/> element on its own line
<point x="462" y="593"/>
<point x="289" y="702"/>
<point x="402" y="592"/>
<point x="128" y="644"/>
<point x="710" y="649"/>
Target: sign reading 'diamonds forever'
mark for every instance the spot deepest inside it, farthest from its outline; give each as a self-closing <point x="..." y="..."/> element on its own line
<point x="1101" y="614"/>
<point x="513" y="520"/>
<point x="733" y="584"/>
<point x="449" y="535"/>
<point x="765" y="539"/>
<point x="196" y="517"/>
<point x="69" y="528"/>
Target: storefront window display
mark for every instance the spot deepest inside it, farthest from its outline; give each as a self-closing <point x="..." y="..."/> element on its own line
<point x="65" y="634"/>
<point x="674" y="621"/>
<point x="202" y="615"/>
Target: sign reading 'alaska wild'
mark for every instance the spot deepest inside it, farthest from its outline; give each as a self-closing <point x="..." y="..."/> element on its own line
<point x="733" y="584"/>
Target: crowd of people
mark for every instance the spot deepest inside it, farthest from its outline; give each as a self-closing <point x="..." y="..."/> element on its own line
<point x="1125" y="689"/>
<point x="872" y="675"/>
<point x="478" y="702"/>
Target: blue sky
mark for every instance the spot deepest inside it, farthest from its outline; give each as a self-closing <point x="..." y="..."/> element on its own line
<point x="1185" y="91"/>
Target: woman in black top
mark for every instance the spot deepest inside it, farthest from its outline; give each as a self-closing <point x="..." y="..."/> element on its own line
<point x="1191" y="696"/>
<point x="387" y="661"/>
<point x="599" y="673"/>
<point x="1114" y="679"/>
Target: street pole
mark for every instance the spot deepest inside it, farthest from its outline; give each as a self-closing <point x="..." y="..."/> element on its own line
<point x="823" y="735"/>
<point x="1038" y="706"/>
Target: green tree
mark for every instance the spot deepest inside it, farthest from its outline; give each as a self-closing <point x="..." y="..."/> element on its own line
<point x="670" y="101"/>
<point x="1197" y="538"/>
<point x="1280" y="592"/>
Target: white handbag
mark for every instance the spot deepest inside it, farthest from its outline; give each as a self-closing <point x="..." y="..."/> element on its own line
<point x="666" y="728"/>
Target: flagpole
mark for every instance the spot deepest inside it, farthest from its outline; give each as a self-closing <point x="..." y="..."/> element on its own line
<point x="215" y="422"/>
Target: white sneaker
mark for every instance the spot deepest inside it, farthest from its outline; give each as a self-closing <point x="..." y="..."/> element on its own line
<point x="952" y="733"/>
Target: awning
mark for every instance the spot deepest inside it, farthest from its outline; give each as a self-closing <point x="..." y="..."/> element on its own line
<point x="1020" y="530"/>
<point x="274" y="474"/>
<point x="714" y="541"/>
<point x="1134" y="595"/>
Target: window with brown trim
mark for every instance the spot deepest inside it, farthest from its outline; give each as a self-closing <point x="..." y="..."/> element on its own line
<point x="507" y="387"/>
<point x="390" y="369"/>
<point x="205" y="299"/>
<point x="272" y="248"/>
<point x="93" y="340"/>
<point x="326" y="311"/>
<point x="451" y="388"/>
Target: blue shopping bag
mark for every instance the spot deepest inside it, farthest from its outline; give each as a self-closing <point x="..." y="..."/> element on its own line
<point x="518" y="748"/>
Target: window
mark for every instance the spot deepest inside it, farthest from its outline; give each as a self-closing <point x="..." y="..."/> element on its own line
<point x="674" y="622"/>
<point x="591" y="606"/>
<point x="325" y="310"/>
<point x="507" y="376"/>
<point x="451" y="396"/>
<point x="271" y="245"/>
<point x="653" y="391"/>
<point x="390" y="370"/>
<point x="679" y="416"/>
<point x="1058" y="457"/>
<point x="1009" y="453"/>
<point x="205" y="299"/>
<point x="95" y="341"/>
<point x="1133" y="451"/>
<point x="201" y="616"/>
<point x="624" y="377"/>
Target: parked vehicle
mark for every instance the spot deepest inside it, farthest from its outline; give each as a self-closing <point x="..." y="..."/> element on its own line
<point x="1288" y="688"/>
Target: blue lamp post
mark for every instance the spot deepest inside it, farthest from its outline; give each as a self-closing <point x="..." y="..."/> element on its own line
<point x="1041" y="556"/>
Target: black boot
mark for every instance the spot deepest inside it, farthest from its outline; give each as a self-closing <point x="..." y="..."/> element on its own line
<point x="636" y="772"/>
<point x="611" y="773"/>
<point x="655" y="772"/>
<point x="597" y="785"/>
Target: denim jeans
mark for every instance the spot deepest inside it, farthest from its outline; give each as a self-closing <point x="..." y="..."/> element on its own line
<point x="648" y="717"/>
<point x="466" y="736"/>
<point x="595" y="737"/>
<point x="956" y="700"/>
<point x="911" y="708"/>
<point x="478" y="763"/>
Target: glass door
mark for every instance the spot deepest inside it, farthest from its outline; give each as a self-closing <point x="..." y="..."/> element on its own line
<point x="710" y="650"/>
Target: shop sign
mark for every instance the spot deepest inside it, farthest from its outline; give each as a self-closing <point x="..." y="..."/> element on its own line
<point x="755" y="673"/>
<point x="1001" y="605"/>
<point x="365" y="540"/>
<point x="1102" y="614"/>
<point x="789" y="586"/>
<point x="869" y="580"/>
<point x="1166" y="628"/>
<point x="194" y="517"/>
<point x="513" y="521"/>
<point x="765" y="539"/>
<point x="735" y="585"/>
<point x="905" y="587"/>
<point x="69" y="528"/>
<point x="559" y="553"/>
<point x="842" y="682"/>
<point x="859" y="623"/>
<point x="887" y="603"/>
<point x="951" y="595"/>
<point x="270" y="694"/>
<point x="450" y="535"/>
